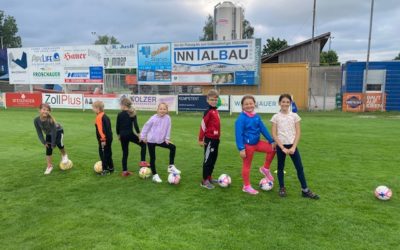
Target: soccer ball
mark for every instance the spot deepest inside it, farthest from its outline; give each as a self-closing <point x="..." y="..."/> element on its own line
<point x="144" y="172"/>
<point x="66" y="166"/>
<point x="174" y="178"/>
<point x="98" y="167"/>
<point x="266" y="184"/>
<point x="383" y="193"/>
<point x="224" y="180"/>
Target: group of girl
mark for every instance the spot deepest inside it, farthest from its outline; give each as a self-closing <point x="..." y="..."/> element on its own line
<point x="156" y="132"/>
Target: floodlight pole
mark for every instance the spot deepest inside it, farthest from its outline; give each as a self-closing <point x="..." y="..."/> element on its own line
<point x="311" y="55"/>
<point x="369" y="46"/>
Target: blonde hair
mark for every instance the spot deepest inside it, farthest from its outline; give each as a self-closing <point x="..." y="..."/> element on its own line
<point x="128" y="103"/>
<point x="99" y="105"/>
<point x="50" y="118"/>
<point x="212" y="93"/>
<point x="162" y="103"/>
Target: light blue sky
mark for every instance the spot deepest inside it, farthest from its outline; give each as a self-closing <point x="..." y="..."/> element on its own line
<point x="71" y="22"/>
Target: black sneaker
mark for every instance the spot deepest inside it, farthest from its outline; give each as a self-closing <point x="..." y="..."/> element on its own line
<point x="104" y="172"/>
<point x="282" y="192"/>
<point x="310" y="195"/>
<point x="111" y="170"/>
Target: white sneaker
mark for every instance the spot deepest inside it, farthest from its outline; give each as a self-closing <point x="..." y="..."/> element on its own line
<point x="48" y="170"/>
<point x="156" y="178"/>
<point x="173" y="169"/>
<point x="64" y="159"/>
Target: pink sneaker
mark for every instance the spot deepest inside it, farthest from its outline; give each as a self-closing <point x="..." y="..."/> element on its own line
<point x="144" y="164"/>
<point x="267" y="173"/>
<point x="249" y="189"/>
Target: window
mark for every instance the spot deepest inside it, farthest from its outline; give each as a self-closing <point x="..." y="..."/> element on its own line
<point x="374" y="87"/>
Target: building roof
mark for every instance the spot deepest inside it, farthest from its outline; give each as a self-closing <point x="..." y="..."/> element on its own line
<point x="322" y="39"/>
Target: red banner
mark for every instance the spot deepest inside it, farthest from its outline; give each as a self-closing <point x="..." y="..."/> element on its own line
<point x="27" y="100"/>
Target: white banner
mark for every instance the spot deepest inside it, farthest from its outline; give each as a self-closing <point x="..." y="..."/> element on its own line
<point x="45" y="65"/>
<point x="150" y="102"/>
<point x="69" y="101"/>
<point x="111" y="101"/>
<point x="119" y="56"/>
<point x="225" y="62"/>
<point x="83" y="64"/>
<point x="224" y="103"/>
<point x="264" y="103"/>
<point x="18" y="65"/>
<point x="2" y="100"/>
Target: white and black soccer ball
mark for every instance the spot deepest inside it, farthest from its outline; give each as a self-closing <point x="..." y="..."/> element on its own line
<point x="266" y="184"/>
<point x="383" y="193"/>
<point x="224" y="180"/>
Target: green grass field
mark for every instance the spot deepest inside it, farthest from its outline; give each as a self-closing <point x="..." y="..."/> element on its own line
<point x="345" y="157"/>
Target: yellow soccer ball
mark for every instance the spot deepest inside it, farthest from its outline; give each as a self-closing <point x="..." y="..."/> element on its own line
<point x="66" y="166"/>
<point x="98" y="167"/>
<point x="144" y="172"/>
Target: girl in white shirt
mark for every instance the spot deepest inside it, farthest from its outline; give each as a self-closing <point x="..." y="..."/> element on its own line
<point x="286" y="134"/>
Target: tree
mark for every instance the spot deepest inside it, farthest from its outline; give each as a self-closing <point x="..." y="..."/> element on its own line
<point x="248" y="30"/>
<point x="106" y="40"/>
<point x="208" y="29"/>
<point x="273" y="45"/>
<point x="397" y="57"/>
<point x="329" y="58"/>
<point x="8" y="32"/>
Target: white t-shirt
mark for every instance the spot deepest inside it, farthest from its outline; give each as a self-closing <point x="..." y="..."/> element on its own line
<point x="285" y="125"/>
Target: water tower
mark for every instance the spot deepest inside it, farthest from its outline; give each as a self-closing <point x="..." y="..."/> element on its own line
<point x="228" y="21"/>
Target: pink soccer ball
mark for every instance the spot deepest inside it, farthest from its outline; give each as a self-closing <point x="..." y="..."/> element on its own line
<point x="174" y="179"/>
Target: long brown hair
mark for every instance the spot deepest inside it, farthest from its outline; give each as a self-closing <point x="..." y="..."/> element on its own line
<point x="128" y="103"/>
<point x="50" y="118"/>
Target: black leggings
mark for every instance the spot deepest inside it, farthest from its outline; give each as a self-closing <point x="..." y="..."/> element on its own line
<point x="296" y="159"/>
<point x="59" y="142"/>
<point x="152" y="153"/>
<point x="125" y="149"/>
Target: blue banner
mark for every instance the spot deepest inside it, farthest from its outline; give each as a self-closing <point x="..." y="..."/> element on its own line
<point x="192" y="103"/>
<point x="154" y="63"/>
<point x="3" y="64"/>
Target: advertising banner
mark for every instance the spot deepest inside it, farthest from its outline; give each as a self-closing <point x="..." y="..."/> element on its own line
<point x="119" y="56"/>
<point x="24" y="100"/>
<point x="264" y="103"/>
<point x="111" y="101"/>
<point x="199" y="103"/>
<point x="18" y="66"/>
<point x="224" y="103"/>
<point x="3" y="64"/>
<point x="353" y="102"/>
<point x="69" y="101"/>
<point x="83" y="64"/>
<point x="216" y="62"/>
<point x="192" y="103"/>
<point x="150" y="102"/>
<point x="375" y="101"/>
<point x="45" y="65"/>
<point x="154" y="63"/>
<point x="2" y="98"/>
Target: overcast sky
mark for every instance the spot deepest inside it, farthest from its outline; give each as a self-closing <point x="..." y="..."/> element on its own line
<point x="72" y="22"/>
